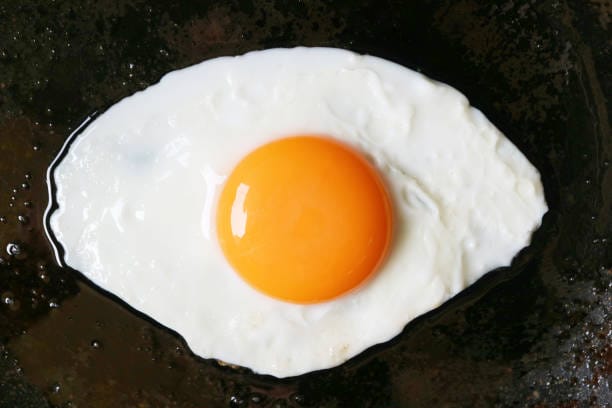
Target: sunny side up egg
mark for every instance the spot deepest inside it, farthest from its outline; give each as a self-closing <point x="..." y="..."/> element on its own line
<point x="286" y="209"/>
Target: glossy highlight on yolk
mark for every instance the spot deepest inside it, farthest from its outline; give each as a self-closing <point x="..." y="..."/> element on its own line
<point x="304" y="219"/>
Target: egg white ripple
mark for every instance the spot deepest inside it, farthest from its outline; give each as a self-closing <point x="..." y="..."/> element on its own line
<point x="137" y="192"/>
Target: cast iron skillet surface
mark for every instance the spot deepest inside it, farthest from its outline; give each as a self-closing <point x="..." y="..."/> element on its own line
<point x="534" y="334"/>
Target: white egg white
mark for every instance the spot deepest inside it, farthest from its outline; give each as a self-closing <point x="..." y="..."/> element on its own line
<point x="138" y="187"/>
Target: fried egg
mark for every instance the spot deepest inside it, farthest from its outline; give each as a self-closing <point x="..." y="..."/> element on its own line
<point x="286" y="209"/>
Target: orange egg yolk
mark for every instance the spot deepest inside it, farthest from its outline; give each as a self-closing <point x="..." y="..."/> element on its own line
<point x="304" y="219"/>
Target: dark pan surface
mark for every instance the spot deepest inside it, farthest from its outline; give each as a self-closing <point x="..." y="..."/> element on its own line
<point x="536" y="334"/>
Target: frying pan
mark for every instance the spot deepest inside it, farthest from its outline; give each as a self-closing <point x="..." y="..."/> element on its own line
<point x="535" y="334"/>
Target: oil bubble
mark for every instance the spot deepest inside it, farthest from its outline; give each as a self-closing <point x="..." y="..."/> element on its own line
<point x="43" y="276"/>
<point x="256" y="398"/>
<point x="13" y="248"/>
<point x="299" y="399"/>
<point x="237" y="401"/>
<point x="7" y="298"/>
<point x="55" y="388"/>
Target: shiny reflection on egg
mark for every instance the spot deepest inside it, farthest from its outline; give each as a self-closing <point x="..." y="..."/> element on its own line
<point x="286" y="209"/>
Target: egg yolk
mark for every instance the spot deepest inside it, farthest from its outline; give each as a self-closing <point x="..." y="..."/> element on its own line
<point x="304" y="219"/>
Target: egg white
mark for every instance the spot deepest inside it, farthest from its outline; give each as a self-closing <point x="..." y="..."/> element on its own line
<point x="137" y="192"/>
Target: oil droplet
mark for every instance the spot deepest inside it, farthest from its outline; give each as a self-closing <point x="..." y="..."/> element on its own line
<point x="43" y="276"/>
<point x="7" y="298"/>
<point x="28" y="176"/>
<point x="23" y="219"/>
<point x="299" y="399"/>
<point x="13" y="249"/>
<point x="96" y="344"/>
<point x="237" y="401"/>
<point x="36" y="147"/>
<point x="53" y="304"/>
<point x="25" y="186"/>
<point x="257" y="398"/>
<point x="55" y="388"/>
<point x="2" y="219"/>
